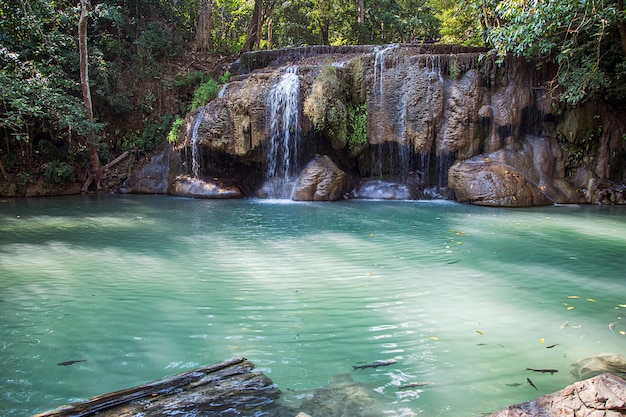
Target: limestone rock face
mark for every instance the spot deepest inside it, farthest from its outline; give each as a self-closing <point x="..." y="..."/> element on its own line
<point x="321" y="180"/>
<point x="185" y="186"/>
<point x="521" y="176"/>
<point x="401" y="111"/>
<point x="601" y="396"/>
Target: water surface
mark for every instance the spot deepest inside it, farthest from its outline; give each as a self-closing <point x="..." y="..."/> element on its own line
<point x="466" y="298"/>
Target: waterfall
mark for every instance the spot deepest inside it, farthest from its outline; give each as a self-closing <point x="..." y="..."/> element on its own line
<point x="195" y="154"/>
<point x="379" y="69"/>
<point x="283" y="113"/>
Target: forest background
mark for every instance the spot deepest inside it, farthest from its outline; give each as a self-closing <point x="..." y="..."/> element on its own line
<point x="150" y="62"/>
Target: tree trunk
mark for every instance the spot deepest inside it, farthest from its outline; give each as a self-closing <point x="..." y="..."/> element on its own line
<point x="203" y="31"/>
<point x="84" y="82"/>
<point x="621" y="26"/>
<point x="254" y="32"/>
<point x="361" y="21"/>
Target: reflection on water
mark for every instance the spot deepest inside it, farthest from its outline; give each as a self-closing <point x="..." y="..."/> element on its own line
<point x="462" y="298"/>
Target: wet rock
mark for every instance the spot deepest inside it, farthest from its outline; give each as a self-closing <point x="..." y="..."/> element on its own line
<point x="185" y="186"/>
<point x="520" y="175"/>
<point x="490" y="183"/>
<point x="321" y="180"/>
<point x="381" y="190"/>
<point x="596" y="365"/>
<point x="425" y="110"/>
<point x="41" y="188"/>
<point x="153" y="178"/>
<point x="601" y="396"/>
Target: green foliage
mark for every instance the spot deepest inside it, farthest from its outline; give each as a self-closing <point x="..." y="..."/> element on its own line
<point x="59" y="172"/>
<point x="578" y="35"/>
<point x="148" y="137"/>
<point x="224" y="78"/>
<point x="206" y="92"/>
<point x="172" y="136"/>
<point x="357" y="125"/>
<point x="461" y="22"/>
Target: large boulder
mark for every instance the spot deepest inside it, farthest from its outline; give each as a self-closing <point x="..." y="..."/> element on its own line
<point x="321" y="180"/>
<point x="526" y="173"/>
<point x="154" y="177"/>
<point x="601" y="396"/>
<point x="491" y="183"/>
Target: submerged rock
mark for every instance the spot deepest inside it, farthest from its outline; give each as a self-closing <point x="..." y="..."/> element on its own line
<point x="342" y="398"/>
<point x="596" y="365"/>
<point x="601" y="396"/>
<point x="321" y="180"/>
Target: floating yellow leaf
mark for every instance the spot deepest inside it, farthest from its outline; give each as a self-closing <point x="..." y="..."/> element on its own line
<point x="371" y="234"/>
<point x="591" y="300"/>
<point x="433" y="338"/>
<point x="541" y="340"/>
<point x="622" y="305"/>
<point x="479" y="332"/>
<point x="623" y="333"/>
<point x="573" y="296"/>
<point x="570" y="307"/>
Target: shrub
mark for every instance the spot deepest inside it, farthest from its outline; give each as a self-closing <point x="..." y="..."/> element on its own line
<point x="172" y="137"/>
<point x="357" y="125"/>
<point x="59" y="172"/>
<point x="205" y="92"/>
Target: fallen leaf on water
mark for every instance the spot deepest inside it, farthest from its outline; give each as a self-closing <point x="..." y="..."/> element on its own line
<point x="573" y="296"/>
<point x="541" y="340"/>
<point x="591" y="300"/>
<point x="623" y="333"/>
<point x="622" y="305"/>
<point x="479" y="332"/>
<point x="371" y="234"/>
<point x="433" y="338"/>
<point x="570" y="307"/>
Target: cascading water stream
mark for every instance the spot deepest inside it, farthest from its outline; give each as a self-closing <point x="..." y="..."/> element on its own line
<point x="195" y="154"/>
<point x="284" y="115"/>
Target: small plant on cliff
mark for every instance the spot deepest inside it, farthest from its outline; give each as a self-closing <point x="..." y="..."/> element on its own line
<point x="172" y="137"/>
<point x="205" y="92"/>
<point x="325" y="105"/>
<point x="357" y="125"/>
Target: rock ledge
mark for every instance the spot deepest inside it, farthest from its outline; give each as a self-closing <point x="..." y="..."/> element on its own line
<point x="600" y="396"/>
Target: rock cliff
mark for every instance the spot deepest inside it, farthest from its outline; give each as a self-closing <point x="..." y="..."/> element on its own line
<point x="430" y="120"/>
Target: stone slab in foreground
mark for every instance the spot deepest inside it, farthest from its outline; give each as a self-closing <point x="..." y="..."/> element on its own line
<point x="600" y="396"/>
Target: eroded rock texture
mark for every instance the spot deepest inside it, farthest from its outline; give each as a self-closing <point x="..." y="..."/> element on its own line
<point x="601" y="396"/>
<point x="433" y="120"/>
<point x="321" y="180"/>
